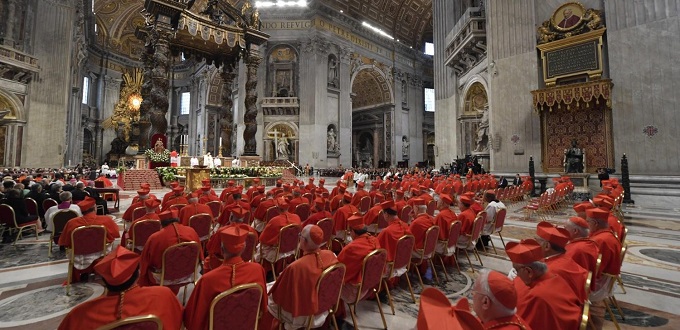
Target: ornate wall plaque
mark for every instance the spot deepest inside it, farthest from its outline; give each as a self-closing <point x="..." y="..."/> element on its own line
<point x="578" y="55"/>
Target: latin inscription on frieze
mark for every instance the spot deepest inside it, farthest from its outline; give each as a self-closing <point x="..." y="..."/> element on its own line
<point x="574" y="59"/>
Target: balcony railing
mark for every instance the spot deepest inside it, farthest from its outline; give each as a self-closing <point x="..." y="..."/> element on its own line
<point x="466" y="43"/>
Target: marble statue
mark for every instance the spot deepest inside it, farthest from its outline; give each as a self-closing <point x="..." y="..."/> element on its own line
<point x="482" y="142"/>
<point x="574" y="158"/>
<point x="282" y="148"/>
<point x="332" y="142"/>
<point x="405" y="145"/>
<point x="333" y="73"/>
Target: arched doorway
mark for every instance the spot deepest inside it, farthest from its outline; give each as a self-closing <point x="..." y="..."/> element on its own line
<point x="474" y="124"/>
<point x="372" y="105"/>
<point x="11" y="129"/>
<point x="281" y="142"/>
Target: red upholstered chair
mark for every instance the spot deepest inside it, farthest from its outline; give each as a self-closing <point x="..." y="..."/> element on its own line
<point x="140" y="232"/>
<point x="49" y="202"/>
<point x="364" y="204"/>
<point x="328" y="289"/>
<point x="9" y="221"/>
<point x="372" y="271"/>
<point x="249" y="249"/>
<point x="402" y="259"/>
<point x="136" y="214"/>
<point x="216" y="208"/>
<point x="31" y="206"/>
<point x="326" y="225"/>
<point x="179" y="265"/>
<point x="201" y="223"/>
<point x="287" y="246"/>
<point x="472" y="238"/>
<point x="498" y="227"/>
<point x="427" y="252"/>
<point x="271" y="212"/>
<point x="447" y="248"/>
<point x="85" y="241"/>
<point x="405" y="214"/>
<point x="309" y="197"/>
<point x="431" y="207"/>
<point x="59" y="219"/>
<point x="302" y="210"/>
<point x="177" y="207"/>
<point x="147" y="322"/>
<point x="237" y="308"/>
<point x="379" y="223"/>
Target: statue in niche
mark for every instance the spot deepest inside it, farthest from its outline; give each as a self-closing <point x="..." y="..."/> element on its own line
<point x="405" y="145"/>
<point x="333" y="80"/>
<point x="574" y="158"/>
<point x="368" y="145"/>
<point x="482" y="142"/>
<point x="332" y="140"/>
<point x="404" y="92"/>
<point x="282" y="148"/>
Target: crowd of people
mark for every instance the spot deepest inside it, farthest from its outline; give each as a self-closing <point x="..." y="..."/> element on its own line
<point x="379" y="213"/>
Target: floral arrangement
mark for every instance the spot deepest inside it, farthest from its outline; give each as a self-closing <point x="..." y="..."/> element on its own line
<point x="169" y="173"/>
<point x="158" y="157"/>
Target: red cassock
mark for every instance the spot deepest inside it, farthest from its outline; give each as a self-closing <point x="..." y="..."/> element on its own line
<point x="214" y="249"/>
<point x="138" y="301"/>
<point x="513" y="322"/>
<point x="426" y="197"/>
<point x="127" y="216"/>
<point x="419" y="226"/>
<point x="226" y="211"/>
<point x="444" y="220"/>
<point x="205" y="198"/>
<point x="342" y="214"/>
<point x="226" y="193"/>
<point x="389" y="236"/>
<point x="152" y="255"/>
<point x="571" y="272"/>
<point x="399" y="205"/>
<point x="615" y="225"/>
<point x="192" y="209"/>
<point x="261" y="210"/>
<point x="549" y="303"/>
<point x="353" y="254"/>
<point x="167" y="196"/>
<point x="270" y="233"/>
<point x="584" y="252"/>
<point x="610" y="247"/>
<point x="177" y="199"/>
<point x="295" y="289"/>
<point x="233" y="272"/>
<point x="372" y="215"/>
<point x="112" y="231"/>
<point x="297" y="201"/>
<point x="356" y="199"/>
<point x="136" y="198"/>
<point x="335" y="203"/>
<point x="476" y="208"/>
<point x="316" y="217"/>
<point x="467" y="219"/>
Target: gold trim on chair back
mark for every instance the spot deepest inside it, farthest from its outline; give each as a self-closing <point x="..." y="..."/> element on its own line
<point x="14" y="216"/>
<point x="597" y="265"/>
<point x="407" y="260"/>
<point x="373" y="254"/>
<point x="585" y="316"/>
<point x="81" y="228"/>
<point x="325" y="273"/>
<point x="133" y="234"/>
<point x="198" y="249"/>
<point x="589" y="281"/>
<point x="281" y="232"/>
<point x="133" y="321"/>
<point x="138" y="212"/>
<point x="226" y="294"/>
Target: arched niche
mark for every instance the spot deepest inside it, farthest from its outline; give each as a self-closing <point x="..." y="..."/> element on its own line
<point x="277" y="134"/>
<point x="11" y="129"/>
<point x="282" y="71"/>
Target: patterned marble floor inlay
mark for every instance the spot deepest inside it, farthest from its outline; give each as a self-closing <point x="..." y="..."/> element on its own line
<point x="45" y="303"/>
<point x="637" y="318"/>
<point x="671" y="256"/>
<point x="457" y="286"/>
<point x="28" y="254"/>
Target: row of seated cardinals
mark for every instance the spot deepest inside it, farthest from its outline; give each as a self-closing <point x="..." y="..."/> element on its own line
<point x="265" y="214"/>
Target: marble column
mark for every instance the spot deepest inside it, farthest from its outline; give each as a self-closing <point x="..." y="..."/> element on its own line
<point x="159" y="88"/>
<point x="228" y="74"/>
<point x="250" y="116"/>
<point x="10" y="23"/>
<point x="345" y="110"/>
<point x="376" y="147"/>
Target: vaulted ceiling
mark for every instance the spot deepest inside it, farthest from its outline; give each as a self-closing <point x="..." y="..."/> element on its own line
<point x="410" y="21"/>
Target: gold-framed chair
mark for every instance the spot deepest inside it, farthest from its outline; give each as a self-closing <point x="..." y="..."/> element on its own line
<point x="448" y="246"/>
<point x="146" y="322"/>
<point x="59" y="221"/>
<point x="499" y="222"/>
<point x="287" y="246"/>
<point x="427" y="252"/>
<point x="137" y="213"/>
<point x="249" y="250"/>
<point x="402" y="259"/>
<point x="216" y="209"/>
<point x="180" y="261"/>
<point x="372" y="268"/>
<point x="201" y="223"/>
<point x="85" y="241"/>
<point x="327" y="226"/>
<point x="237" y="308"/>
<point x="140" y="232"/>
<point x="302" y="210"/>
<point x="472" y="239"/>
<point x="364" y="204"/>
<point x="585" y="316"/>
<point x="328" y="290"/>
<point x="9" y="220"/>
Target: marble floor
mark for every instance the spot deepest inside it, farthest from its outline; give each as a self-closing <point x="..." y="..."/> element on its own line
<point x="32" y="295"/>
